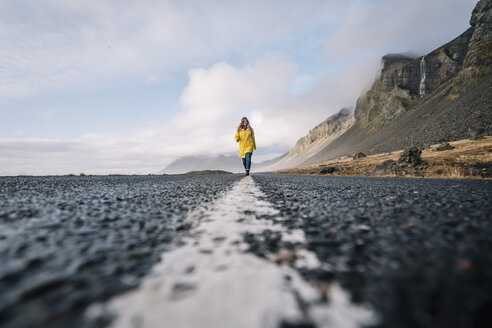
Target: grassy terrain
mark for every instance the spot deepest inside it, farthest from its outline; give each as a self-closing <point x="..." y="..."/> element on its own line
<point x="468" y="159"/>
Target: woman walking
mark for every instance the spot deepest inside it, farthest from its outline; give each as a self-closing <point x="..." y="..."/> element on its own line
<point x="246" y="138"/>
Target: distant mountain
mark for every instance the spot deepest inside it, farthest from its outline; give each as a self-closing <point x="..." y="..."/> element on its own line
<point x="199" y="163"/>
<point x="443" y="95"/>
<point x="230" y="163"/>
<point x="318" y="138"/>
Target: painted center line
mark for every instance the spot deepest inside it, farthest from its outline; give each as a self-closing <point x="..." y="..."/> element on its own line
<point x="211" y="281"/>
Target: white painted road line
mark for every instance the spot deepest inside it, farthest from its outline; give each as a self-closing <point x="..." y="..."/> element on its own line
<point x="211" y="281"/>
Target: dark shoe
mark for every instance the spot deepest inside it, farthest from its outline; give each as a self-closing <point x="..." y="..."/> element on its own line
<point x="247" y="172"/>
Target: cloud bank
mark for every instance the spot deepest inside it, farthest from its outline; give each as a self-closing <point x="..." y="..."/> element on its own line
<point x="50" y="46"/>
<point x="286" y="65"/>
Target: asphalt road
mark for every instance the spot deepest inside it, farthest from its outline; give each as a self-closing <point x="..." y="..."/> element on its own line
<point x="418" y="250"/>
<point x="66" y="242"/>
<point x="415" y="251"/>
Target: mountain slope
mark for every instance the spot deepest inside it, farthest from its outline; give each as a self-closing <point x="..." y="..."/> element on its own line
<point x="444" y="95"/>
<point x="318" y="138"/>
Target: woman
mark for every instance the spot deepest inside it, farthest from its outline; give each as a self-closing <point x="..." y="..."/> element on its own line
<point x="246" y="138"/>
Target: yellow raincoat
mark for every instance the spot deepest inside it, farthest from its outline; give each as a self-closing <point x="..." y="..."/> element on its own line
<point x="246" y="139"/>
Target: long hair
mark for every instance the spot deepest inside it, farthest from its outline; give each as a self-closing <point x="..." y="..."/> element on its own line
<point x="241" y="124"/>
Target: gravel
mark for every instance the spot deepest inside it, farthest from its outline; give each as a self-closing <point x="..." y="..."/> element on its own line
<point x="416" y="250"/>
<point x="66" y="242"/>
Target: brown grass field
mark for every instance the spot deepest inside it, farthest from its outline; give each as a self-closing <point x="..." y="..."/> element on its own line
<point x="470" y="159"/>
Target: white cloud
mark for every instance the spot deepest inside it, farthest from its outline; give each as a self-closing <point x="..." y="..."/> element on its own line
<point x="52" y="46"/>
<point x="222" y="92"/>
<point x="389" y="26"/>
<point x="94" y="155"/>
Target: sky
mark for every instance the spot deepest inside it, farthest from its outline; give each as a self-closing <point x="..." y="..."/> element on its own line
<point x="102" y="86"/>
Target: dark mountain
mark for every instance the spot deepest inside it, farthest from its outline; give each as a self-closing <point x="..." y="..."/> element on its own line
<point x="443" y="95"/>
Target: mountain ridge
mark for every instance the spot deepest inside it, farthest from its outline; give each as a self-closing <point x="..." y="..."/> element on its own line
<point x="230" y="163"/>
<point x="442" y="95"/>
<point x="318" y="137"/>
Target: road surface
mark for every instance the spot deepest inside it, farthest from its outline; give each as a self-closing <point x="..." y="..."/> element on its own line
<point x="234" y="251"/>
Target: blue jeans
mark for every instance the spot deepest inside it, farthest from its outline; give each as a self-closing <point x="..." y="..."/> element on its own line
<point x="247" y="161"/>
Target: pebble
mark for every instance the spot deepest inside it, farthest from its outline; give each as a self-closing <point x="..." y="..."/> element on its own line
<point x="285" y="256"/>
